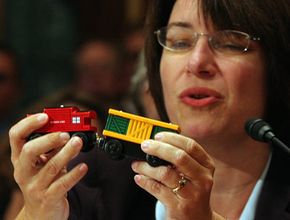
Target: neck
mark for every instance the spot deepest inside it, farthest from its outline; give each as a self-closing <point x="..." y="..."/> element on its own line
<point x="241" y="166"/>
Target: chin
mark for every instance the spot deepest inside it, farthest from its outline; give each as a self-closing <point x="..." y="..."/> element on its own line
<point x="197" y="131"/>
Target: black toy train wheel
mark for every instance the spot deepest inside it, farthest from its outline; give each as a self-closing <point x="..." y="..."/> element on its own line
<point x="85" y="139"/>
<point x="155" y="161"/>
<point x="33" y="136"/>
<point x="115" y="149"/>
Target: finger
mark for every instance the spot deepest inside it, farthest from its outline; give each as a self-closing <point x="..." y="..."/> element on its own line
<point x="43" y="158"/>
<point x="33" y="149"/>
<point x="46" y="157"/>
<point x="155" y="188"/>
<point x="31" y="157"/>
<point x="20" y="131"/>
<point x="56" y="164"/>
<point x="164" y="174"/>
<point x="171" y="178"/>
<point x="188" y="145"/>
<point x="183" y="162"/>
<point x="61" y="186"/>
<point x="189" y="192"/>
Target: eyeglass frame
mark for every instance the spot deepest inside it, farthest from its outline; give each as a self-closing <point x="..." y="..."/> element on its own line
<point x="209" y="36"/>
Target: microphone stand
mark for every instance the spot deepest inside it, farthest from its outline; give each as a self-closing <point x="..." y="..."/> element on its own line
<point x="275" y="141"/>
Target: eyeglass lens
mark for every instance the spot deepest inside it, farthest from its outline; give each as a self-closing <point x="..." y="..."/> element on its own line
<point x="176" y="38"/>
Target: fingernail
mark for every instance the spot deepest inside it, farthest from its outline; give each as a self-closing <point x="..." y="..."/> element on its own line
<point x="83" y="167"/>
<point x="158" y="136"/>
<point x="64" y="136"/>
<point x="76" y="142"/>
<point x="145" y="144"/>
<point x="133" y="166"/>
<point x="42" y="117"/>
<point x="137" y="178"/>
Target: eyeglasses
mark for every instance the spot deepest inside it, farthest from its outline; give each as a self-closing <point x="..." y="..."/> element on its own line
<point x="181" y="39"/>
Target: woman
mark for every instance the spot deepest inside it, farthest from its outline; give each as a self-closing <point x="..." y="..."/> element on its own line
<point x="220" y="63"/>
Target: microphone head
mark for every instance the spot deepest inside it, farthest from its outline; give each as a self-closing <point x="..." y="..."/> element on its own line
<point x="259" y="130"/>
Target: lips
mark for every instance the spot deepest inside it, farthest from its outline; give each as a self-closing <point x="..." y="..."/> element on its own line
<point x="200" y="97"/>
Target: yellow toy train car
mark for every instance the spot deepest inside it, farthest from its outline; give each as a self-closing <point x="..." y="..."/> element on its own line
<point x="124" y="133"/>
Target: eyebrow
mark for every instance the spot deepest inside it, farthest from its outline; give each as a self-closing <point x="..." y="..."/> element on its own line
<point x="180" y="24"/>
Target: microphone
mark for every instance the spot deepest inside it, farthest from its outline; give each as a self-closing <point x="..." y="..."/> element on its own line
<point x="261" y="131"/>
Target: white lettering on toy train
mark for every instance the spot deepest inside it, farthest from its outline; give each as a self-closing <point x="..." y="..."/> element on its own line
<point x="57" y="122"/>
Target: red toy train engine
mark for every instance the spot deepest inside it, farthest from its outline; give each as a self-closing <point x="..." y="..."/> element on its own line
<point x="71" y="120"/>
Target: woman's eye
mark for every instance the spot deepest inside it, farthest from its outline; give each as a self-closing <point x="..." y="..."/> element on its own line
<point x="230" y="46"/>
<point x="179" y="44"/>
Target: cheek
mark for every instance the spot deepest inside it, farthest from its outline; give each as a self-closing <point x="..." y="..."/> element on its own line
<point x="171" y="70"/>
<point x="169" y="76"/>
<point x="246" y="86"/>
<point x="164" y="75"/>
<point x="172" y="79"/>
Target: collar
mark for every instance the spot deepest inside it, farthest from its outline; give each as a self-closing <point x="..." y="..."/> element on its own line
<point x="251" y="205"/>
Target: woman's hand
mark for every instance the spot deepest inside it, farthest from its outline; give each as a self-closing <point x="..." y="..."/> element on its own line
<point x="191" y="175"/>
<point x="40" y="169"/>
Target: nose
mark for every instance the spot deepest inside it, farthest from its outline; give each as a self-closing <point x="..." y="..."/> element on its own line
<point x="201" y="60"/>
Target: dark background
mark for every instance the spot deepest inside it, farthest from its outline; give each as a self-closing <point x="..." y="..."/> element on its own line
<point x="45" y="33"/>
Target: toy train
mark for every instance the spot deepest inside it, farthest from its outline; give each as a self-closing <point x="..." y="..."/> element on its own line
<point x="122" y="135"/>
<point x="123" y="131"/>
<point x="71" y="120"/>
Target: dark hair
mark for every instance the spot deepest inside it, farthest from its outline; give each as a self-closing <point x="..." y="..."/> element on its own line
<point x="266" y="19"/>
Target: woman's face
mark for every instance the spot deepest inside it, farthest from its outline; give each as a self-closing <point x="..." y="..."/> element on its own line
<point x="209" y="94"/>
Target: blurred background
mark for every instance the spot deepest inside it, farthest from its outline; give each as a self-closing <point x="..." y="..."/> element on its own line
<point x="73" y="52"/>
<point x="45" y="34"/>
